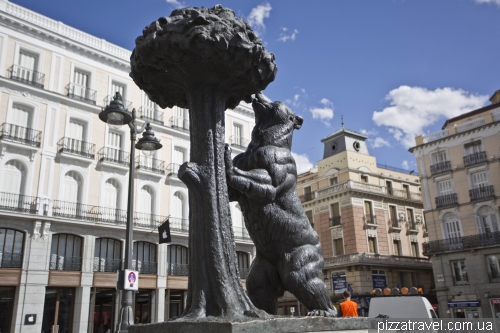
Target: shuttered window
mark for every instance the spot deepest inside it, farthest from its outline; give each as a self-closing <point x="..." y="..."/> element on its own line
<point x="452" y="229"/>
<point x="14" y="174"/>
<point x="444" y="187"/>
<point x="28" y="65"/>
<point x="479" y="179"/>
<point x="439" y="157"/>
<point x="117" y="87"/>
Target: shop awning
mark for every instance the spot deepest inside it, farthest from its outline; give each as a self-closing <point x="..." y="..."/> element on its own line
<point x="463" y="304"/>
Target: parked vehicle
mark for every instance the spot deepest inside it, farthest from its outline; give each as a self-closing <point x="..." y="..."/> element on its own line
<point x="408" y="307"/>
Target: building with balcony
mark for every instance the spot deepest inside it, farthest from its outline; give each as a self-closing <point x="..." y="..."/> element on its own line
<point x="369" y="219"/>
<point x="64" y="182"/>
<point x="460" y="177"/>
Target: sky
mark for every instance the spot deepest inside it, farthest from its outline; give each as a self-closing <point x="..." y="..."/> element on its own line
<point x="393" y="69"/>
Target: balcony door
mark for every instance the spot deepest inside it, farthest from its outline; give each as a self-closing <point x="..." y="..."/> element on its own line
<point x="111" y="201"/>
<point x="146" y="206"/>
<point x="27" y="65"/>
<point x="21" y="120"/>
<point x="114" y="152"/>
<point x="178" y="158"/>
<point x="239" y="222"/>
<point x="439" y="157"/>
<point x="14" y="175"/>
<point x="178" y="207"/>
<point x="479" y="179"/>
<point x="76" y="136"/>
<point x="117" y="87"/>
<point x="237" y="132"/>
<point x="487" y="221"/>
<point x="81" y="82"/>
<point x="72" y="184"/>
<point x="180" y="117"/>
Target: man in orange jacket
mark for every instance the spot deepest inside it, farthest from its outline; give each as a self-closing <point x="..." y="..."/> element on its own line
<point x="348" y="308"/>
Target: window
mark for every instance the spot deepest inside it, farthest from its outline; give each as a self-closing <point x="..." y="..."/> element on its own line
<point x="414" y="249"/>
<point x="115" y="141"/>
<point x="238" y="135"/>
<point x="146" y="207"/>
<point x="493" y="263"/>
<point x="444" y="187"/>
<point x="410" y="279"/>
<point x="240" y="231"/>
<point x="487" y="221"/>
<point x="393" y="216"/>
<point x="27" y="66"/>
<point x="22" y="119"/>
<point x="411" y="219"/>
<point x="76" y="136"/>
<point x="243" y="264"/>
<point x="372" y="245"/>
<point x="369" y="217"/>
<point x="14" y="175"/>
<point x="11" y="248"/>
<point x="72" y="183"/>
<point x="406" y="191"/>
<point x="308" y="195"/>
<point x="334" y="181"/>
<point x="107" y="255"/>
<point x="335" y="214"/>
<point x="388" y="185"/>
<point x="479" y="179"/>
<point x="459" y="272"/>
<point x="120" y="88"/>
<point x="338" y="246"/>
<point x="472" y="147"/>
<point x="439" y="157"/>
<point x="177" y="260"/>
<point x="309" y="215"/>
<point x="66" y="253"/>
<point x="397" y="247"/>
<point x="364" y="179"/>
<point x="180" y="118"/>
<point x="452" y="229"/>
<point x="144" y="257"/>
<point x="178" y="158"/>
<point x="111" y="202"/>
<point x="81" y="85"/>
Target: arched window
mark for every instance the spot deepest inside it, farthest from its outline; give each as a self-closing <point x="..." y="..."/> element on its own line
<point x="14" y="174"/>
<point x="70" y="204"/>
<point x="11" y="248"/>
<point x="177" y="260"/>
<point x="144" y="257"/>
<point x="110" y="210"/>
<point x="107" y="255"/>
<point x="243" y="263"/>
<point x="486" y="220"/>
<point x="146" y="207"/>
<point x="177" y="221"/>
<point x="66" y="252"/>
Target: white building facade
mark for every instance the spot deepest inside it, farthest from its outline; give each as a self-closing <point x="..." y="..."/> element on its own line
<point x="64" y="181"/>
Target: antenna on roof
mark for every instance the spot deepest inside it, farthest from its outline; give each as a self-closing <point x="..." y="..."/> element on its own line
<point x="342" y="118"/>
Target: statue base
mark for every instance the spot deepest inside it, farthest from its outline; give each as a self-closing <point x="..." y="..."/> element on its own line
<point x="278" y="324"/>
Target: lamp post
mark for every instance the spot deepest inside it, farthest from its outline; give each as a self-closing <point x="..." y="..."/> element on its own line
<point x="115" y="115"/>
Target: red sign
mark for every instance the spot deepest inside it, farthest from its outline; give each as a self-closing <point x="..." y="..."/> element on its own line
<point x="495" y="301"/>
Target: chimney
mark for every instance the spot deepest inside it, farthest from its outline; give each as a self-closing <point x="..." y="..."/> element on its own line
<point x="495" y="98"/>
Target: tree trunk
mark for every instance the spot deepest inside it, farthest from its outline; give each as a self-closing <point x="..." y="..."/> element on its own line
<point x="214" y="287"/>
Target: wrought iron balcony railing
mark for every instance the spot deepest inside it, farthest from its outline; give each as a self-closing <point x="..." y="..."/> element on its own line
<point x="405" y="194"/>
<point x="150" y="164"/>
<point x="462" y="243"/>
<point x="446" y="200"/>
<point x="239" y="141"/>
<point x="241" y="233"/>
<point x="11" y="260"/>
<point x="483" y="192"/>
<point x="24" y="135"/>
<point x="144" y="267"/>
<point x="63" y="263"/>
<point x="115" y="156"/>
<point x="335" y="221"/>
<point x="81" y="93"/>
<point x="179" y="123"/>
<point x="244" y="272"/>
<point x="76" y="147"/>
<point x="178" y="269"/>
<point x="173" y="169"/>
<point x="377" y="259"/>
<point x="151" y="114"/>
<point x="27" y="75"/>
<point x="370" y="219"/>
<point x="179" y="224"/>
<point x="412" y="225"/>
<point x="475" y="158"/>
<point x="148" y="219"/>
<point x="306" y="197"/>
<point x="107" y="265"/>
<point x="18" y="203"/>
<point x="107" y="215"/>
<point x="394" y="223"/>
<point x="440" y="167"/>
<point x="71" y="210"/>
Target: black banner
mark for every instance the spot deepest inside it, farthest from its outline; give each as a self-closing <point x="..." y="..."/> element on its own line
<point x="164" y="232"/>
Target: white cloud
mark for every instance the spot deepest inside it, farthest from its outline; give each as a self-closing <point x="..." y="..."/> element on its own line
<point x="297" y="101"/>
<point x="257" y="16"/>
<point x="379" y="142"/>
<point x="368" y="132"/>
<point x="488" y="1"/>
<point x="285" y="35"/>
<point x="325" y="114"/>
<point x="302" y="162"/>
<point x="405" y="165"/>
<point x="176" y="3"/>
<point x="413" y="109"/>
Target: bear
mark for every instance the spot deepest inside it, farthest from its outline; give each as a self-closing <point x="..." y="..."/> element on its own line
<point x="263" y="181"/>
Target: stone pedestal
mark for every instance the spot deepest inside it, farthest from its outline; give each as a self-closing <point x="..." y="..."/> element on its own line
<point x="274" y="325"/>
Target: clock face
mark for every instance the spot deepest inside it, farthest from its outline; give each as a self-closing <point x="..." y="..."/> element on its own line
<point x="356" y="145"/>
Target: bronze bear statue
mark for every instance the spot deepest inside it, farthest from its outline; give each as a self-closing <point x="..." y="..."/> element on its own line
<point x="263" y="180"/>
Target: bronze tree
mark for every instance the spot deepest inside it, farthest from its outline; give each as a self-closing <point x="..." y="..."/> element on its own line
<point x="205" y="60"/>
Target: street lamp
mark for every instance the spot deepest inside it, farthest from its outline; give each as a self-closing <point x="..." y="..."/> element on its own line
<point x="115" y="115"/>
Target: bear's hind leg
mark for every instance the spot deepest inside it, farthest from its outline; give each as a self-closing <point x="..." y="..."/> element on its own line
<point x="303" y="279"/>
<point x="264" y="285"/>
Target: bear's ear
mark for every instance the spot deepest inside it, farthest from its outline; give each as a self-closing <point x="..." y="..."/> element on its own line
<point x="298" y="122"/>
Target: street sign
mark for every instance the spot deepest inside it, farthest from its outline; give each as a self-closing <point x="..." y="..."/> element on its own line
<point x="339" y="284"/>
<point x="131" y="280"/>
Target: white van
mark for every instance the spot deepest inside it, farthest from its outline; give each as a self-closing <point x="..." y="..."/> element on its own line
<point x="401" y="307"/>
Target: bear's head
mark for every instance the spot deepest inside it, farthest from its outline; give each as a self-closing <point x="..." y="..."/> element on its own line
<point x="274" y="122"/>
